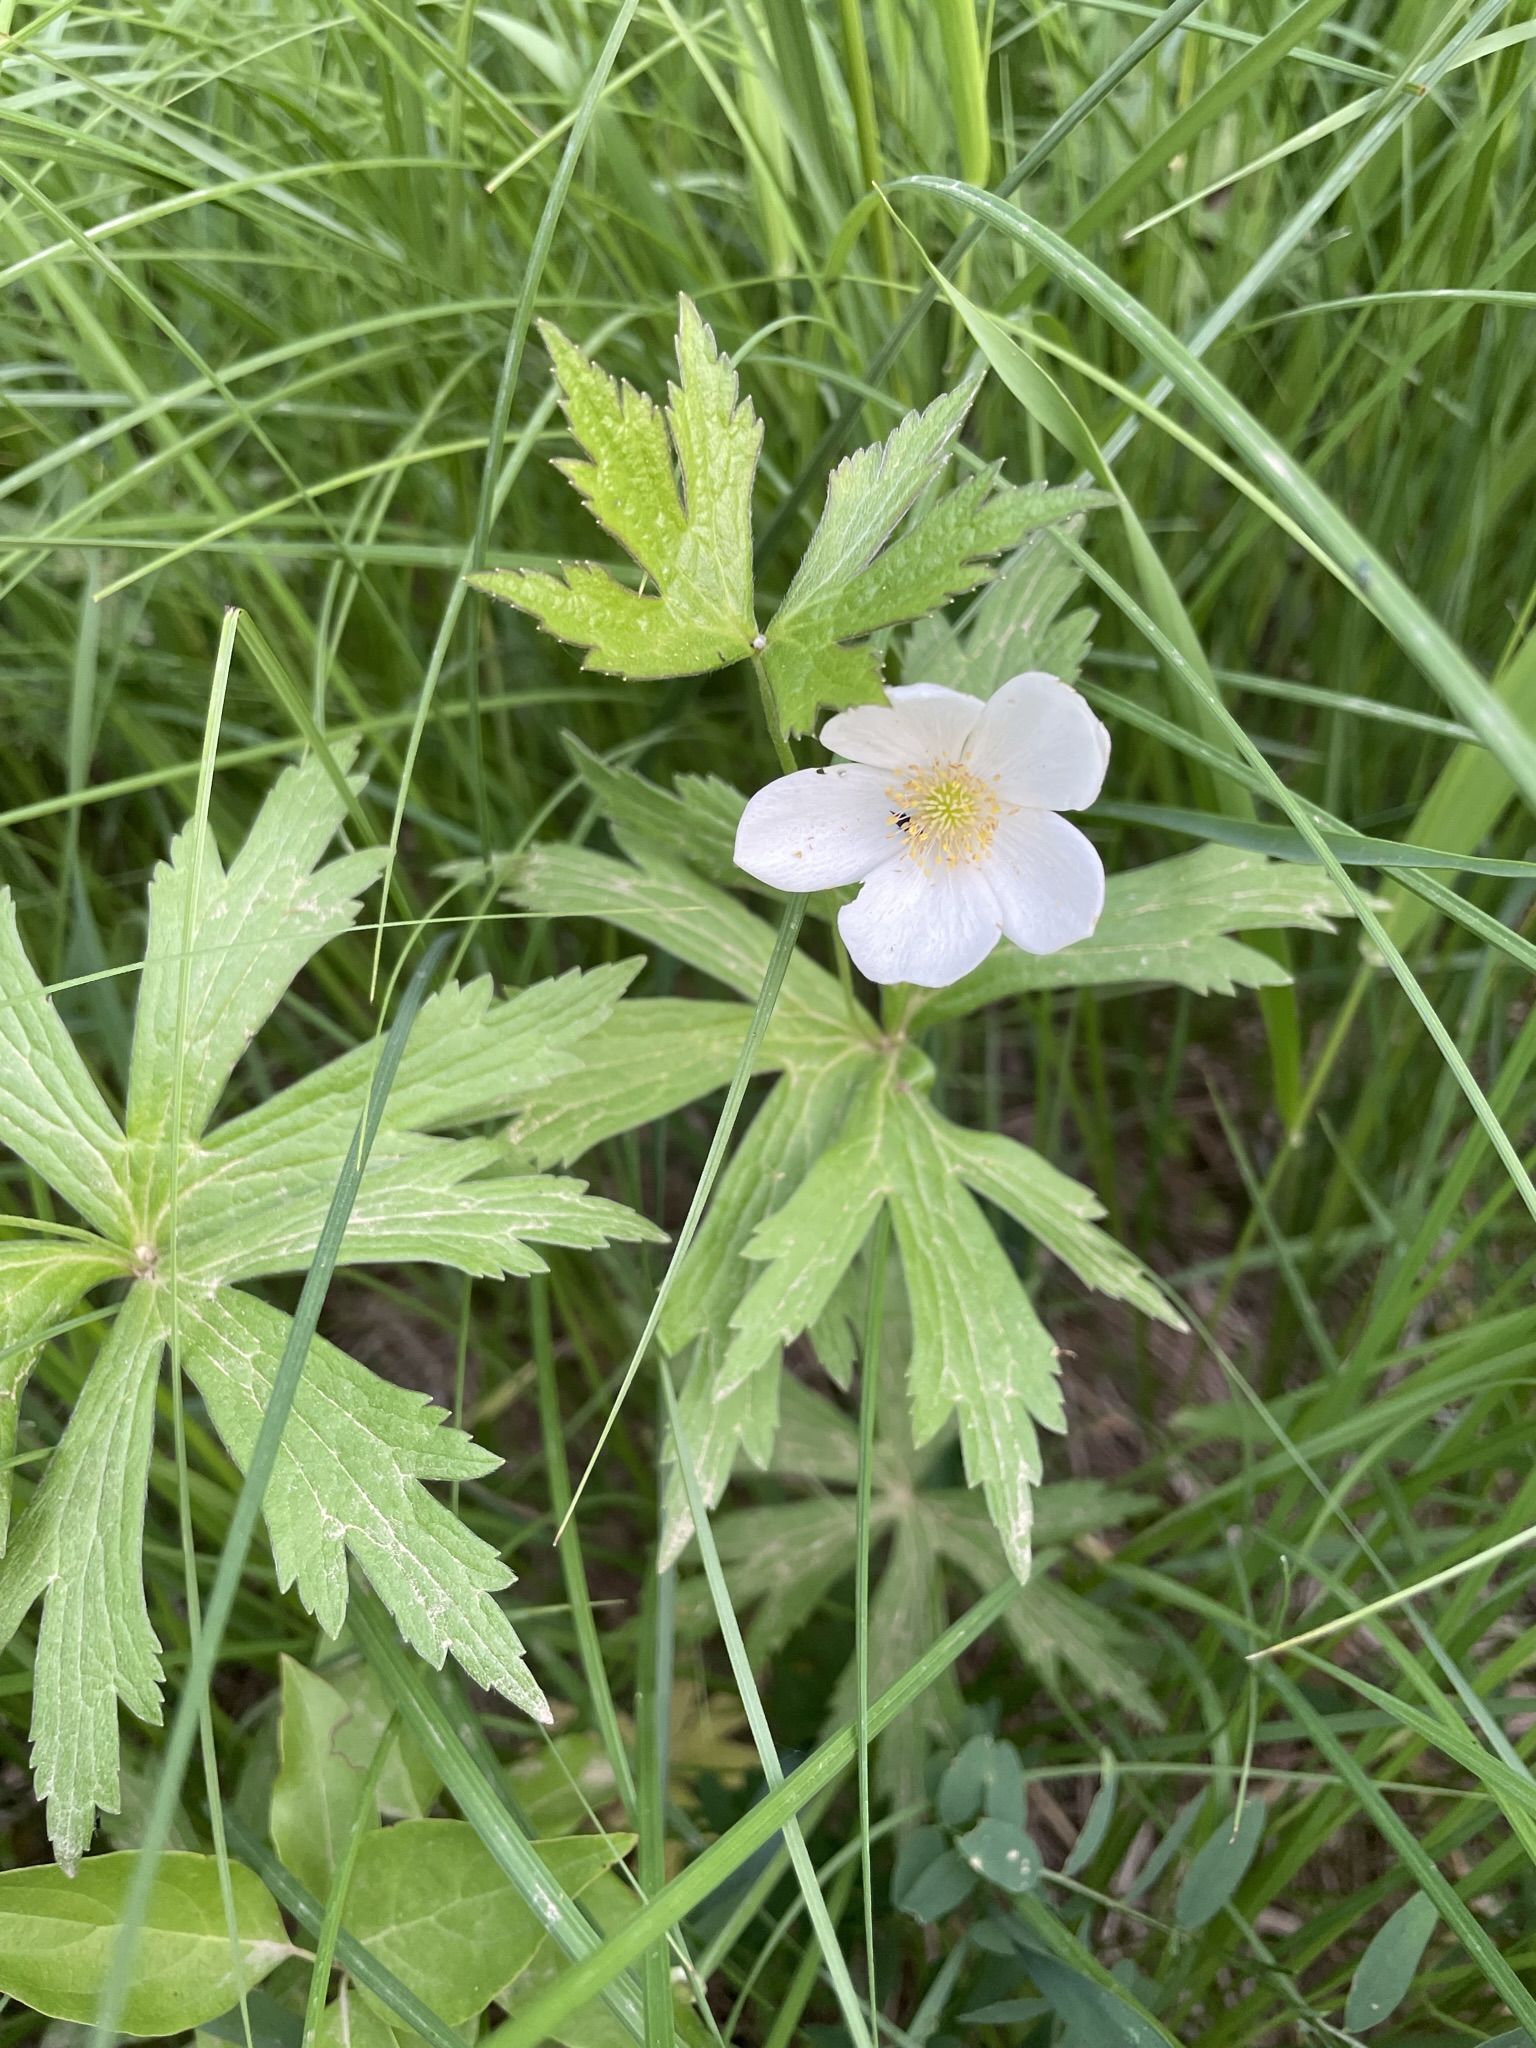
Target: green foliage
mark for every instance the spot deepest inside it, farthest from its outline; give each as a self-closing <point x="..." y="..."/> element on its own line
<point x="1384" y="1976"/>
<point x="57" y="1933"/>
<point x="1221" y="1865"/>
<point x="257" y="353"/>
<point x="782" y="1562"/>
<point x="182" y="1212"/>
<point x="690" y="533"/>
<point x="851" y="1125"/>
<point x="431" y="1904"/>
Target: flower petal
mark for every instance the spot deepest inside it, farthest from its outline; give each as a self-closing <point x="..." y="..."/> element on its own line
<point x="817" y="829"/>
<point x="1048" y="881"/>
<point x="923" y="723"/>
<point x="1040" y="744"/>
<point x="923" y="922"/>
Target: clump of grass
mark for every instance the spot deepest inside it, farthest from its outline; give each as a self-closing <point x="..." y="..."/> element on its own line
<point x="261" y="269"/>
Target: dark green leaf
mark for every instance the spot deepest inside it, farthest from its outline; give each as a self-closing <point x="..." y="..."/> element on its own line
<point x="1384" y="1974"/>
<point x="1221" y="1865"/>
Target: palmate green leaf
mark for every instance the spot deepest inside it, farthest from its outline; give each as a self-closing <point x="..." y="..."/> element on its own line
<point x="651" y="1057"/>
<point x="249" y="1201"/>
<point x="694" y="822"/>
<point x="51" y="1111"/>
<point x="783" y="1561"/>
<point x="794" y="1125"/>
<point x="353" y="1451"/>
<point x="676" y="491"/>
<point x="978" y="1347"/>
<point x="806" y="1246"/>
<point x="78" y="1542"/>
<point x="693" y="543"/>
<point x="255" y="928"/>
<point x="1054" y="1208"/>
<point x="40" y="1282"/>
<point x="57" y="1936"/>
<point x="665" y="904"/>
<point x="950" y="549"/>
<point x="1167" y="923"/>
<point x="419" y="1204"/>
<point x="1016" y="625"/>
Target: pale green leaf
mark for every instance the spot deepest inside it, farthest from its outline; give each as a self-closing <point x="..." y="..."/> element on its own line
<point x="253" y="929"/>
<point x="324" y="1752"/>
<point x="790" y="1130"/>
<point x="906" y="1614"/>
<point x="667" y="906"/>
<point x="1384" y="1974"/>
<point x="418" y="1205"/>
<point x="58" y="1935"/>
<point x="716" y="1425"/>
<point x="78" y="1543"/>
<point x="429" y="1900"/>
<point x="978" y="1348"/>
<point x="929" y="1880"/>
<point x="1092" y="2011"/>
<point x="1056" y="1209"/>
<point x="1014" y="628"/>
<point x="871" y="491"/>
<point x="808" y="1244"/>
<point x="349" y="2021"/>
<point x="816" y="1439"/>
<point x="611" y="1904"/>
<point x="1094" y="1829"/>
<point x="557" y="1782"/>
<point x="470" y="1058"/>
<point x="40" y="1282"/>
<point x="948" y="550"/>
<point x="348" y="1479"/>
<point x="407" y="1783"/>
<point x="51" y="1111"/>
<point x="694" y="545"/>
<point x="651" y="1057"/>
<point x="783" y="1561"/>
<point x="694" y="822"/>
<point x="1166" y="923"/>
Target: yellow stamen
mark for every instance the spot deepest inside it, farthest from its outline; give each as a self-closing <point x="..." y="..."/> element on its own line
<point x="945" y="812"/>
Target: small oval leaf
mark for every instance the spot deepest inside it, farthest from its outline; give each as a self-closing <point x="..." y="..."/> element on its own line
<point x="58" y="1933"/>
<point x="1220" y="1867"/>
<point x="964" y="1784"/>
<point x="1004" y="1796"/>
<point x="1001" y="1853"/>
<point x="1095" y="1827"/>
<point x="929" y="1880"/>
<point x="1384" y="1975"/>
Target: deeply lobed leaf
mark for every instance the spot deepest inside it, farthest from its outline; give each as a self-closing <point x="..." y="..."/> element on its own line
<point x="691" y="533"/>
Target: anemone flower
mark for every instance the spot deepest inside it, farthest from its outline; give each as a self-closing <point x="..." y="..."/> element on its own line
<point x="946" y="809"/>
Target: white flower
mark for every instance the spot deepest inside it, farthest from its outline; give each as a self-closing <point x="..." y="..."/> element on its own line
<point x="944" y="807"/>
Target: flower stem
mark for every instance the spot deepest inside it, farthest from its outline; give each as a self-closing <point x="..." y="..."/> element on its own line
<point x="781" y="745"/>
